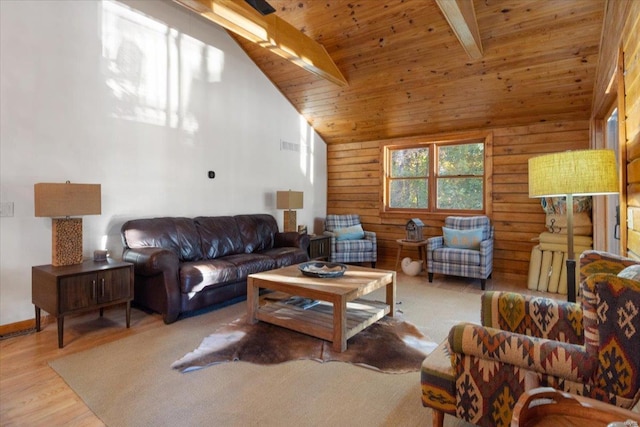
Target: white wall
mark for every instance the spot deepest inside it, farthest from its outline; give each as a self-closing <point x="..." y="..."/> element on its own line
<point x="71" y="109"/>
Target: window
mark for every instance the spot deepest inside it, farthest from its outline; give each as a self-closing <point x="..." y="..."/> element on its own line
<point x="445" y="177"/>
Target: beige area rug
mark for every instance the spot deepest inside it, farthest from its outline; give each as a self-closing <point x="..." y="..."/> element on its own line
<point x="130" y="382"/>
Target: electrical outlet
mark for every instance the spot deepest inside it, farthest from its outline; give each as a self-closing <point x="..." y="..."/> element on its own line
<point x="6" y="209"/>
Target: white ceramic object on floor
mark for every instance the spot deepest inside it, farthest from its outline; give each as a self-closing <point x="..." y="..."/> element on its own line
<point x="411" y="268"/>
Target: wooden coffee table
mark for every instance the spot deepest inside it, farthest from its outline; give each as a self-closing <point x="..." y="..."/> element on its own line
<point x="341" y="313"/>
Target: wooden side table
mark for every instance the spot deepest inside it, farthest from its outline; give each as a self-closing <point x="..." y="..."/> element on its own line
<point x="319" y="246"/>
<point x="422" y="251"/>
<point x="81" y="287"/>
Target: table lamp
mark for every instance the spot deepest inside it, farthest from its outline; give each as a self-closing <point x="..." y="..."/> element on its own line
<point x="60" y="202"/>
<point x="568" y="174"/>
<point x="289" y="200"/>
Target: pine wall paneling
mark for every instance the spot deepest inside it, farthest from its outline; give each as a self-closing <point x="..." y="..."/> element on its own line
<point x="609" y="82"/>
<point x="615" y="15"/>
<point x="631" y="125"/>
<point x="354" y="185"/>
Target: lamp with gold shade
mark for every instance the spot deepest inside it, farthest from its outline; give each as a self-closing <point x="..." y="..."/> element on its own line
<point x="289" y="200"/>
<point x="61" y="202"/>
<point x="568" y="174"/>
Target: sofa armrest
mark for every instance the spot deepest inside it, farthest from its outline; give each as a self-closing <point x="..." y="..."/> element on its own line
<point x="371" y="236"/>
<point x="544" y="356"/>
<point x="329" y="233"/>
<point x="332" y="235"/>
<point x="434" y="243"/>
<point x="154" y="261"/>
<point x="533" y="316"/>
<point x="292" y="239"/>
<point x="151" y="260"/>
<point x="486" y="246"/>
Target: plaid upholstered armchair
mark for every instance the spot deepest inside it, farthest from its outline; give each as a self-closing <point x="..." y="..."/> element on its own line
<point x="349" y="242"/>
<point x="592" y="350"/>
<point x="465" y="249"/>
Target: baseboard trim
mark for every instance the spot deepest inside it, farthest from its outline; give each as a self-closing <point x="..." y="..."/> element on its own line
<point x="23" y="326"/>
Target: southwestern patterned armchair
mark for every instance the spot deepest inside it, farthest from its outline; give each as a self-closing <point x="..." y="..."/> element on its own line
<point x="592" y="349"/>
<point x="465" y="249"/>
<point x="349" y="242"/>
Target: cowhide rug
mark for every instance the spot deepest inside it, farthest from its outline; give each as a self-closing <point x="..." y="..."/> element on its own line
<point x="389" y="345"/>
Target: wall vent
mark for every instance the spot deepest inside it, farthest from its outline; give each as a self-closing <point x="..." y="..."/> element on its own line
<point x="293" y="146"/>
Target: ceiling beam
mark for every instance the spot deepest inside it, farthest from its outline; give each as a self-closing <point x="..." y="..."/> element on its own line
<point x="461" y="17"/>
<point x="270" y="32"/>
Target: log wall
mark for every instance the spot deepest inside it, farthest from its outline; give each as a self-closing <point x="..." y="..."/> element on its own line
<point x="354" y="185"/>
<point x="630" y="132"/>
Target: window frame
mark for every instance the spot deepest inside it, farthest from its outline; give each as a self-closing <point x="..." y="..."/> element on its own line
<point x="433" y="143"/>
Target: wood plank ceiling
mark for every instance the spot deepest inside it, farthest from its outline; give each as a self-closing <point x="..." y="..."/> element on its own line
<point x="409" y="75"/>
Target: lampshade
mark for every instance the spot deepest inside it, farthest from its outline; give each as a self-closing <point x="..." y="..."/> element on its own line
<point x="580" y="173"/>
<point x="55" y="200"/>
<point x="65" y="200"/>
<point x="289" y="199"/>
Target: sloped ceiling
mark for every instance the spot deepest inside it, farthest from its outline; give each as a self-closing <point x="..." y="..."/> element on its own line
<point x="408" y="74"/>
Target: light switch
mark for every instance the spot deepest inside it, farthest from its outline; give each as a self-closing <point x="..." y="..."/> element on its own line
<point x="6" y="209"/>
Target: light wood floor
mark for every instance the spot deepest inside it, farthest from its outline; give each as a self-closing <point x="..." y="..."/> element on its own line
<point x="32" y="394"/>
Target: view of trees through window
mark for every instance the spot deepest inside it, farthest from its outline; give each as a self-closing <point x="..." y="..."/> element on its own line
<point x="453" y="173"/>
<point x="409" y="178"/>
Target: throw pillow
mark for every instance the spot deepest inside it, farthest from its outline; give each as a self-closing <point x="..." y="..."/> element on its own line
<point x="632" y="272"/>
<point x="355" y="232"/>
<point x="462" y="239"/>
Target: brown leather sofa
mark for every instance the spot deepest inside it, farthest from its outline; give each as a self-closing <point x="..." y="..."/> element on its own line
<point x="186" y="264"/>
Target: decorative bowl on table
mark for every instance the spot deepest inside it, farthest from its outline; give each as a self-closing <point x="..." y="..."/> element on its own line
<point x="322" y="269"/>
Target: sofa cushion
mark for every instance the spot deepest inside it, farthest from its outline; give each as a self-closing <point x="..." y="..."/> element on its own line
<point x="457" y="256"/>
<point x="179" y="235"/>
<point x="195" y="276"/>
<point x="286" y="256"/>
<point x="220" y="236"/>
<point x="257" y="231"/>
<point x="247" y="264"/>
<point x="354" y="246"/>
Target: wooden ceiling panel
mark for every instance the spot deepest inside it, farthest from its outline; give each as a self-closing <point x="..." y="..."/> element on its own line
<point x="408" y="74"/>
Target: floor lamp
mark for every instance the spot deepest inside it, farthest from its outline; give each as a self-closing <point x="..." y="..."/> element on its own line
<point x="568" y="174"/>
